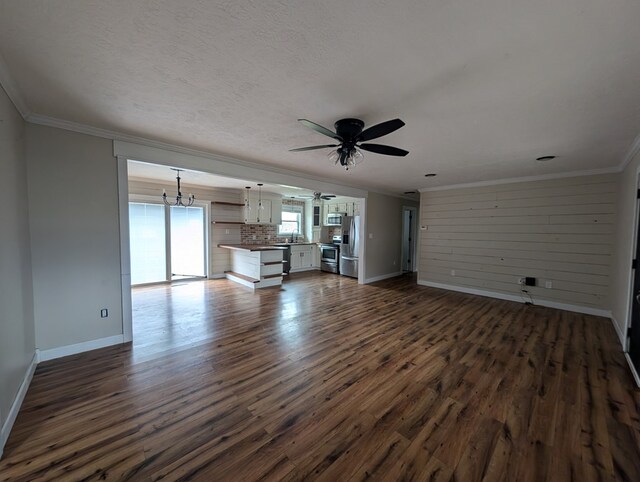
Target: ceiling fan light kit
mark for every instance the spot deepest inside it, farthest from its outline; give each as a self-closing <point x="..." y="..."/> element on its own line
<point x="350" y="134"/>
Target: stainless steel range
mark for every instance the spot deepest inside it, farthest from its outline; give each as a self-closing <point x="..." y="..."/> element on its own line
<point x="330" y="255"/>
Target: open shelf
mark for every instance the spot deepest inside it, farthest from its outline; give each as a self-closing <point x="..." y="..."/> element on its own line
<point x="224" y="203"/>
<point x="242" y="277"/>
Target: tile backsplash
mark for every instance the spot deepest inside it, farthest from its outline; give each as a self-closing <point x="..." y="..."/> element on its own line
<point x="264" y="234"/>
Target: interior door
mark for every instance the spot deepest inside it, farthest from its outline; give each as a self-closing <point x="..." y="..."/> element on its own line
<point x="634" y="330"/>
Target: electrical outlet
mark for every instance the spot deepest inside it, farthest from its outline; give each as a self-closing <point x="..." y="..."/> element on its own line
<point x="394" y="263"/>
<point x="104" y="313"/>
<point x="227" y="231"/>
<point x="548" y="284"/>
<point x="268" y="236"/>
<point x="254" y="236"/>
<point x="453" y="272"/>
<point x="370" y="235"/>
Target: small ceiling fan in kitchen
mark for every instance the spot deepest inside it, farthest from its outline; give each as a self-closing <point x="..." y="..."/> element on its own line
<point x="317" y="196"/>
<point x="350" y="134"/>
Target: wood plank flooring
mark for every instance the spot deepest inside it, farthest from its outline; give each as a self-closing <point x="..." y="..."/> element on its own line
<point x="328" y="380"/>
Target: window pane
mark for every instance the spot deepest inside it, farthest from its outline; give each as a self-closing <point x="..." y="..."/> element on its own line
<point x="187" y="241"/>
<point x="147" y="243"/>
<point x="291" y="223"/>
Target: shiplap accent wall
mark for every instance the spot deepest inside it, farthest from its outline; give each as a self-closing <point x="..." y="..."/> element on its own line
<point x="559" y="230"/>
<point x="219" y="258"/>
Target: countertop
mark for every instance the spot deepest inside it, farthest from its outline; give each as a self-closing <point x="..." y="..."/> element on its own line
<point x="295" y="244"/>
<point x="252" y="247"/>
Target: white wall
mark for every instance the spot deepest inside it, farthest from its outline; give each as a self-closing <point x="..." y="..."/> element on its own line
<point x="17" y="338"/>
<point x="384" y="221"/>
<point x="75" y="248"/>
<point x="627" y="188"/>
<point x="559" y="230"/>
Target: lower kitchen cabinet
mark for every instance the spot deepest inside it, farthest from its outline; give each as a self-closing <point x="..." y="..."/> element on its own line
<point x="302" y="257"/>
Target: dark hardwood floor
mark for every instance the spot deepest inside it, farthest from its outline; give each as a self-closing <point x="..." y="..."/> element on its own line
<point x="325" y="379"/>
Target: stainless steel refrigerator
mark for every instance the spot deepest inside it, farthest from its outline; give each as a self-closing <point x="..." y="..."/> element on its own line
<point x="349" y="249"/>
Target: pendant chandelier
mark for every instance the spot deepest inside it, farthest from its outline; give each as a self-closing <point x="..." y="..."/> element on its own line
<point x="178" y="202"/>
<point x="260" y="205"/>
<point x="247" y="205"/>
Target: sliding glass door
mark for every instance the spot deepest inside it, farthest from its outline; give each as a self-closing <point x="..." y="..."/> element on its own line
<point x="187" y="242"/>
<point x="167" y="243"/>
<point x="148" y="243"/>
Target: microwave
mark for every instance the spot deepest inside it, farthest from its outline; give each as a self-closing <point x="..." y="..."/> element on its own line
<point x="335" y="219"/>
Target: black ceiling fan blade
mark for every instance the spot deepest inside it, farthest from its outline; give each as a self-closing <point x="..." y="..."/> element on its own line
<point x="386" y="150"/>
<point x="311" y="148"/>
<point x="320" y="129"/>
<point x="380" y="130"/>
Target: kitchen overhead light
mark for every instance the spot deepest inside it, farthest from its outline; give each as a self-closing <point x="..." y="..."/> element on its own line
<point x="247" y="205"/>
<point x="260" y="205"/>
<point x="178" y="202"/>
<point x="545" y="158"/>
<point x="431" y="174"/>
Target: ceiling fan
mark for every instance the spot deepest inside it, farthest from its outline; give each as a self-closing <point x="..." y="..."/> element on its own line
<point x="350" y="134"/>
<point x="317" y="196"/>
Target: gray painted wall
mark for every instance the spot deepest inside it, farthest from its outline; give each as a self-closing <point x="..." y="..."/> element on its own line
<point x="17" y="339"/>
<point x="627" y="186"/>
<point x="75" y="247"/>
<point x="384" y="220"/>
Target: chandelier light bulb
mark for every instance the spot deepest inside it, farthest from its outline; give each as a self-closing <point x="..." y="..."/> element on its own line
<point x="334" y="156"/>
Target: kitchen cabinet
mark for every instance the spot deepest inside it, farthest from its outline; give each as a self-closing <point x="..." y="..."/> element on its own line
<point x="276" y="210"/>
<point x="302" y="257"/>
<point x="271" y="212"/>
<point x="316" y="216"/>
<point x="353" y="209"/>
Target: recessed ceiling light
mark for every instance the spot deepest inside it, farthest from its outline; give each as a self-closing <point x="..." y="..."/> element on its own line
<point x="431" y="174"/>
<point x="545" y="158"/>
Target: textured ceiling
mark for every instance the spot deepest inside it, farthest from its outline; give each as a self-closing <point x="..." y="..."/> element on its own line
<point x="484" y="87"/>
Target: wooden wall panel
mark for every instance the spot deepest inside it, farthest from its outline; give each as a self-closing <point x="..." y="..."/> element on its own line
<point x="559" y="230"/>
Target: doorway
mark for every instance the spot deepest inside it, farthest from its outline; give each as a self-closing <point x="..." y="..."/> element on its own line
<point x="409" y="242"/>
<point x="633" y="331"/>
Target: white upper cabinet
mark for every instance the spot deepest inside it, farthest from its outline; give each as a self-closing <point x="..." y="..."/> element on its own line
<point x="271" y="212"/>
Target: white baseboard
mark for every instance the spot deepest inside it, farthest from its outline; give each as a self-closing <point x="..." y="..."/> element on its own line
<point x="636" y="377"/>
<point x="504" y="296"/>
<point x="17" y="403"/>
<point x="381" y="277"/>
<point x="217" y="276"/>
<point x="59" y="352"/>
<point x="620" y="333"/>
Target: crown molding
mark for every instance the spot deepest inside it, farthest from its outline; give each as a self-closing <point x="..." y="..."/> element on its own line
<point x="633" y="151"/>
<point x="542" y="177"/>
<point x="11" y="88"/>
<point x="120" y="136"/>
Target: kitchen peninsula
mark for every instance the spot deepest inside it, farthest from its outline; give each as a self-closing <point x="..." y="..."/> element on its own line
<point x="255" y="266"/>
